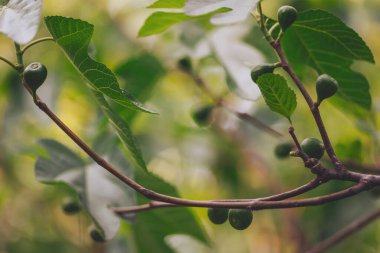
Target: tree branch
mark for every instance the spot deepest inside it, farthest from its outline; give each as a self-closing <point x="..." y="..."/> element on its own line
<point x="297" y="191"/>
<point x="313" y="108"/>
<point x="352" y="228"/>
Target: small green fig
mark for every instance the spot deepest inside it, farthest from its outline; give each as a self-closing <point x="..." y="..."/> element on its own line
<point x="260" y="70"/>
<point x="96" y="235"/>
<point x="70" y="206"/>
<point x="326" y="87"/>
<point x="185" y="64"/>
<point x="35" y="75"/>
<point x="282" y="150"/>
<point x="240" y="219"/>
<point x="203" y="116"/>
<point x="286" y="16"/>
<point x="313" y="148"/>
<point x="217" y="215"/>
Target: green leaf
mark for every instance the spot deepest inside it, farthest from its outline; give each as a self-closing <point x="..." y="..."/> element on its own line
<point x="277" y="94"/>
<point x="175" y="4"/>
<point x="122" y="129"/>
<point x="322" y="41"/>
<point x="63" y="166"/>
<point x="141" y="73"/>
<point x="151" y="228"/>
<point x="73" y="36"/>
<point x="159" y="22"/>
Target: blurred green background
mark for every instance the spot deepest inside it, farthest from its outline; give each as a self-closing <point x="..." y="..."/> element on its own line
<point x="230" y="159"/>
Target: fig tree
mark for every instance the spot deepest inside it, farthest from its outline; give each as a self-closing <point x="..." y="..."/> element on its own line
<point x="240" y="219"/>
<point x="217" y="215"/>
<point x="286" y="16"/>
<point x="35" y="75"/>
<point x="313" y="148"/>
<point x="326" y="87"/>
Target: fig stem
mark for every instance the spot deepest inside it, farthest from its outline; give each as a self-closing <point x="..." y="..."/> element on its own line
<point x="35" y="42"/>
<point x="20" y="60"/>
<point x="9" y="63"/>
<point x="314" y="109"/>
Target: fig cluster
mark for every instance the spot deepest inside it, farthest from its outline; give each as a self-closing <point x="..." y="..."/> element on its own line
<point x="239" y="219"/>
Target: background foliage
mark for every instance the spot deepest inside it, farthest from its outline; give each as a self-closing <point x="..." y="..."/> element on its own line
<point x="227" y="160"/>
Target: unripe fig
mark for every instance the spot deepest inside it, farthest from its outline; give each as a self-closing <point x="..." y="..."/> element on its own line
<point x="260" y="70"/>
<point x="70" y="206"/>
<point x="185" y="64"/>
<point x="202" y="116"/>
<point x="313" y="148"/>
<point x="240" y="219"/>
<point x="96" y="235"/>
<point x="217" y="215"/>
<point x="326" y="87"/>
<point x="286" y="16"/>
<point x="282" y="150"/>
<point x="35" y="75"/>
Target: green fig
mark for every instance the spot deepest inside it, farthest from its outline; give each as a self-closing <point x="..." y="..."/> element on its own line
<point x="35" y="75"/>
<point x="326" y="87"/>
<point x="217" y="215"/>
<point x="286" y="16"/>
<point x="185" y="64"/>
<point x="260" y="70"/>
<point x="96" y="235"/>
<point x="240" y="219"/>
<point x="282" y="150"/>
<point x="313" y="148"/>
<point x="71" y="206"/>
<point x="202" y="116"/>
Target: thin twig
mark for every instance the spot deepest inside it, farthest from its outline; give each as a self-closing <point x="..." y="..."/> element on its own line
<point x="254" y="204"/>
<point x="298" y="145"/>
<point x="344" y="233"/>
<point x="35" y="43"/>
<point x="297" y="191"/>
<point x="314" y="109"/>
<point x="8" y="62"/>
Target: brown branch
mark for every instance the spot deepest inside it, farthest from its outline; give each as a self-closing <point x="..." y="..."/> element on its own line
<point x="344" y="233"/>
<point x="364" y="181"/>
<point x="313" y="108"/>
<point x="254" y="204"/>
<point x="297" y="191"/>
<point x="146" y="207"/>
<point x="260" y="205"/>
<point x="298" y="145"/>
